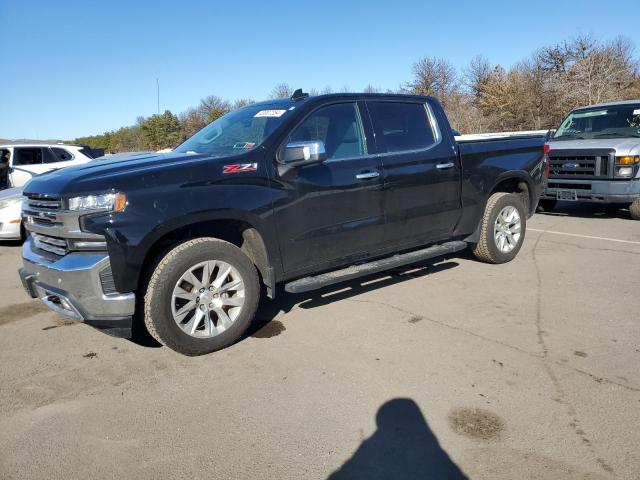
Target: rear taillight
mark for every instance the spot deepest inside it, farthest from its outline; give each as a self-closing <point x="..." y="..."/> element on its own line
<point x="546" y="151"/>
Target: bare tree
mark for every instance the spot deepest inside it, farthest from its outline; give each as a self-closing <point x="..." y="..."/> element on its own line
<point x="476" y="75"/>
<point x="242" y="102"/>
<point x="213" y="107"/>
<point x="601" y="74"/>
<point x="282" y="90"/>
<point x="434" y="76"/>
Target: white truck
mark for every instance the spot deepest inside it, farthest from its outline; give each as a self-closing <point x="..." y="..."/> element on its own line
<point x="20" y="162"/>
<point x="595" y="157"/>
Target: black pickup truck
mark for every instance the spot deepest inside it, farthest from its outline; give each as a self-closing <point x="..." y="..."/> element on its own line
<point x="303" y="192"/>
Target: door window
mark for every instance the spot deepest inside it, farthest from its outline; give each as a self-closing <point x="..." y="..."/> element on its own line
<point x="401" y="126"/>
<point x="59" y="155"/>
<point x="27" y="156"/>
<point x="5" y="155"/>
<point x="338" y="126"/>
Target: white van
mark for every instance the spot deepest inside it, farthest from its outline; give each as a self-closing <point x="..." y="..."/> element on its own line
<point x="20" y="162"/>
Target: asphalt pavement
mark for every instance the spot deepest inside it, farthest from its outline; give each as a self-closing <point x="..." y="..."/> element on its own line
<point x="458" y="368"/>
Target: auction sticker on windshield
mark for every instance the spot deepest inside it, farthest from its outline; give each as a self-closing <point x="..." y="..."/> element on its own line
<point x="270" y="113"/>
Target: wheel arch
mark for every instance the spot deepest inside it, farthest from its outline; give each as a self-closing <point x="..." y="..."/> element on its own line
<point x="517" y="182"/>
<point x="238" y="232"/>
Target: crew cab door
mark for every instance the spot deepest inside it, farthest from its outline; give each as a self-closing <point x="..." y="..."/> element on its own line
<point x="330" y="210"/>
<point x="421" y="172"/>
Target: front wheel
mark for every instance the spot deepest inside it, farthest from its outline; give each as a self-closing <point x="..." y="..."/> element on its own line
<point x="201" y="297"/>
<point x="634" y="209"/>
<point x="503" y="228"/>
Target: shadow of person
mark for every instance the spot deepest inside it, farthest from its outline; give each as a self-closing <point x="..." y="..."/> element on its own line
<point x="402" y="447"/>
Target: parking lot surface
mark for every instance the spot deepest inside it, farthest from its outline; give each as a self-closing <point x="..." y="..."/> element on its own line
<point x="523" y="370"/>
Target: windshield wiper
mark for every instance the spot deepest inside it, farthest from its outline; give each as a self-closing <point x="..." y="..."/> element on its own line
<point x="617" y="134"/>
<point x="571" y="135"/>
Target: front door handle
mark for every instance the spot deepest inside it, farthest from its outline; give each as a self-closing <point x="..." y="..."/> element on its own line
<point x="367" y="175"/>
<point x="444" y="166"/>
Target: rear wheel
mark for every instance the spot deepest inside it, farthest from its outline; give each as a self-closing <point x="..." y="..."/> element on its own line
<point x="634" y="209"/>
<point x="201" y="297"/>
<point x="503" y="229"/>
<point x="546" y="205"/>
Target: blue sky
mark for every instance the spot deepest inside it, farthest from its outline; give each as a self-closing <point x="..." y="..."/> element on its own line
<point x="73" y="68"/>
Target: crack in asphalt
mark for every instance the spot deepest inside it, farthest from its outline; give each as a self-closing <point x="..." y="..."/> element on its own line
<point x="547" y="362"/>
<point x="537" y="356"/>
<point x="562" y="395"/>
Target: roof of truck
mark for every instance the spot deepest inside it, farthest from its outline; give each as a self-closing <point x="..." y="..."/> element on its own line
<point x="610" y="104"/>
<point x="290" y="101"/>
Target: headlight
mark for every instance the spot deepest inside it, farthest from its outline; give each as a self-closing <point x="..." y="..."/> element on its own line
<point x="624" y="172"/>
<point x="9" y="202"/>
<point x="115" y="202"/>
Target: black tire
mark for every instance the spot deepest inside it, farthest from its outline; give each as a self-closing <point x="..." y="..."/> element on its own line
<point x="157" y="314"/>
<point x="547" y="205"/>
<point x="634" y="209"/>
<point x="486" y="249"/>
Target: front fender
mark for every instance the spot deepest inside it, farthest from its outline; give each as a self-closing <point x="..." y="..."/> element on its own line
<point x="152" y="215"/>
<point x="128" y="255"/>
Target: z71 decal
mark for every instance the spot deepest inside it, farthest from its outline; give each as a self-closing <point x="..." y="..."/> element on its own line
<point x="240" y="167"/>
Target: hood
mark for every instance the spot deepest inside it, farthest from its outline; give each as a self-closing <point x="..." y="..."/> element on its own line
<point x="107" y="171"/>
<point x="622" y="146"/>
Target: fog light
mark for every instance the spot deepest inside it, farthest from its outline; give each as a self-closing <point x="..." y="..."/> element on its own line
<point x="92" y="245"/>
<point x="625" y="171"/>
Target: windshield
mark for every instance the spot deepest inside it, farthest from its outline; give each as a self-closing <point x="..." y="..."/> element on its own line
<point x="615" y="121"/>
<point x="238" y="131"/>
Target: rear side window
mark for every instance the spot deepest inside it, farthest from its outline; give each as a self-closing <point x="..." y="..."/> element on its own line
<point x="61" y="155"/>
<point x="92" y="152"/>
<point x="338" y="126"/>
<point x="401" y="126"/>
<point x="27" y="156"/>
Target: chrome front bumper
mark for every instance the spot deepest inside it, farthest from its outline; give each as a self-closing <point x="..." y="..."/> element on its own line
<point x="70" y="285"/>
<point x="605" y="191"/>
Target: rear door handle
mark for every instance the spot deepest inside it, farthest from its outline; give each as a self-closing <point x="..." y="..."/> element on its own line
<point x="444" y="166"/>
<point x="367" y="175"/>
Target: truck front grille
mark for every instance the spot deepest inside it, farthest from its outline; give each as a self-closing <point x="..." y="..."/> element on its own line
<point x="579" y="166"/>
<point x="55" y="245"/>
<point x="43" y="202"/>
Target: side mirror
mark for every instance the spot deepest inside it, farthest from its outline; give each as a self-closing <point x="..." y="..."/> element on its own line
<point x="304" y="153"/>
